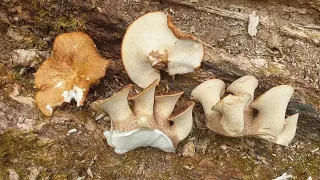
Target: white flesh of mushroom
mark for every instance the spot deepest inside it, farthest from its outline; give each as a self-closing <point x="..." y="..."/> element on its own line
<point x="149" y="42"/>
<point x="126" y="141"/>
<point x="76" y="93"/>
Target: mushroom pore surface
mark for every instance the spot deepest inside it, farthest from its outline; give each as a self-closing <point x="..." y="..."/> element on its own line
<point x="153" y="43"/>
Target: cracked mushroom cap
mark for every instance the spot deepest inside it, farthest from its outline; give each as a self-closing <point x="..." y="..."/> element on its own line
<point x="153" y="43"/>
<point x="68" y="74"/>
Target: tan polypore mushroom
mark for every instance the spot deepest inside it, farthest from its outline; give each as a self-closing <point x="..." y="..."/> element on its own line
<point x="233" y="115"/>
<point x="150" y="122"/>
<point x="153" y="43"/>
<point x="68" y="74"/>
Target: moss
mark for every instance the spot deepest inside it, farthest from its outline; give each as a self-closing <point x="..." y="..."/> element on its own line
<point x="69" y="24"/>
<point x="48" y="17"/>
<point x="25" y="81"/>
<point x="17" y="152"/>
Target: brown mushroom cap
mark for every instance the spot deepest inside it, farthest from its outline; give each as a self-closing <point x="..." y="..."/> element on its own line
<point x="153" y="43"/>
<point x="74" y="66"/>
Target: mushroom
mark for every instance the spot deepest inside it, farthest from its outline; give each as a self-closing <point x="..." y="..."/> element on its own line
<point x="68" y="74"/>
<point x="153" y="43"/>
<point x="150" y="122"/>
<point x="272" y="107"/>
<point x="233" y="115"/>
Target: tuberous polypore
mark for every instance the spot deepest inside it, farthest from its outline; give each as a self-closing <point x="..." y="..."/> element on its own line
<point x="152" y="117"/>
<point x="234" y="116"/>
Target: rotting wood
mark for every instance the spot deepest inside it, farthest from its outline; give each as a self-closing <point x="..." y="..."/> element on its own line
<point x="310" y="33"/>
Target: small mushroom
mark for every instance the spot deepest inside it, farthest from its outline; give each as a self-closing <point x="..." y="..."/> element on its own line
<point x="68" y="74"/>
<point x="150" y="122"/>
<point x="153" y="43"/>
<point x="233" y="115"/>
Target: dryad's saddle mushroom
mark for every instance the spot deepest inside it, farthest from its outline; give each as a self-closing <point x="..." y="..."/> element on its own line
<point x="68" y="74"/>
<point x="153" y="43"/>
<point x="150" y="122"/>
<point x="233" y="115"/>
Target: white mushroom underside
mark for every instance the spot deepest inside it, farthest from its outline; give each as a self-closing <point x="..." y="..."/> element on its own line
<point x="151" y="33"/>
<point x="76" y="93"/>
<point x="126" y="141"/>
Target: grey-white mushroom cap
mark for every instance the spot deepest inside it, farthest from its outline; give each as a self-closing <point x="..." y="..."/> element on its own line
<point x="153" y="43"/>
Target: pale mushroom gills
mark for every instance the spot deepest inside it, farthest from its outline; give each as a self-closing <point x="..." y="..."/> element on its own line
<point x="233" y="115"/>
<point x="153" y="43"/>
<point x="150" y="122"/>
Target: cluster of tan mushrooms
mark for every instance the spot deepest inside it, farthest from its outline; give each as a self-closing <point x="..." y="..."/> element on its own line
<point x="233" y="115"/>
<point x="153" y="43"/>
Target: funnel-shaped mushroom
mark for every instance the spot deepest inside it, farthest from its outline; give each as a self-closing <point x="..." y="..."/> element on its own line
<point x="153" y="43"/>
<point x="208" y="94"/>
<point x="272" y="107"/>
<point x="150" y="122"/>
<point x="233" y="115"/>
<point x="74" y="66"/>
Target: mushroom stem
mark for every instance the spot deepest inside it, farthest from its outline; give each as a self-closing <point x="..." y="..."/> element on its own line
<point x="159" y="60"/>
<point x="208" y="94"/>
<point x="288" y="131"/>
<point x="272" y="107"/>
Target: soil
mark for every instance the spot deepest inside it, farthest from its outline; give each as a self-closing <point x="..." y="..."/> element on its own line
<point x="284" y="51"/>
